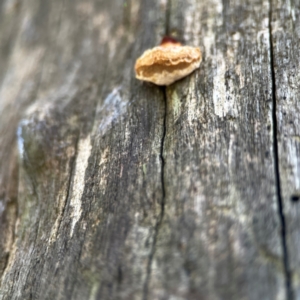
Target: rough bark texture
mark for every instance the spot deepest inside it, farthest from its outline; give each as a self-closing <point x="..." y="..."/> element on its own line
<point x="285" y="29"/>
<point x="112" y="188"/>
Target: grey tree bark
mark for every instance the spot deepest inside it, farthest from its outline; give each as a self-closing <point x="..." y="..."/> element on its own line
<point x="111" y="188"/>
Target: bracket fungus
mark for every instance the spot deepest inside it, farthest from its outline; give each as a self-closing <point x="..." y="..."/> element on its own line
<point x="168" y="62"/>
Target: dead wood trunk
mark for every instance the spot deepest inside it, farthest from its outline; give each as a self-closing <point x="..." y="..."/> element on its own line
<point x="115" y="189"/>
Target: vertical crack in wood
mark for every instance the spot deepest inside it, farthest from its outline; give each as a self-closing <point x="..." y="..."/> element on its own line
<point x="168" y="14"/>
<point x="289" y="290"/>
<point x="72" y="174"/>
<point x="162" y="210"/>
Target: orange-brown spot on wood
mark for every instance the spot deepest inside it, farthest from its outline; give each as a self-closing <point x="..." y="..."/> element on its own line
<point x="168" y="62"/>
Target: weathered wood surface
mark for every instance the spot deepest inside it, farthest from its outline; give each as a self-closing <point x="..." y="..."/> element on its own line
<point x="285" y="41"/>
<point x="115" y="189"/>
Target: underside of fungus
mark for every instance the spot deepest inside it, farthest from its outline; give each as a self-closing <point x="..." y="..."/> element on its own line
<point x="167" y="63"/>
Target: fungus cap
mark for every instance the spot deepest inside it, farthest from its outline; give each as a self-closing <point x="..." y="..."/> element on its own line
<point x="168" y="62"/>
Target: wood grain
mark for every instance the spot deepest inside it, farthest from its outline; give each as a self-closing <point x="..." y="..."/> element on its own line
<point x="221" y="212"/>
<point x="89" y="145"/>
<point x="285" y="38"/>
<point x="111" y="188"/>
